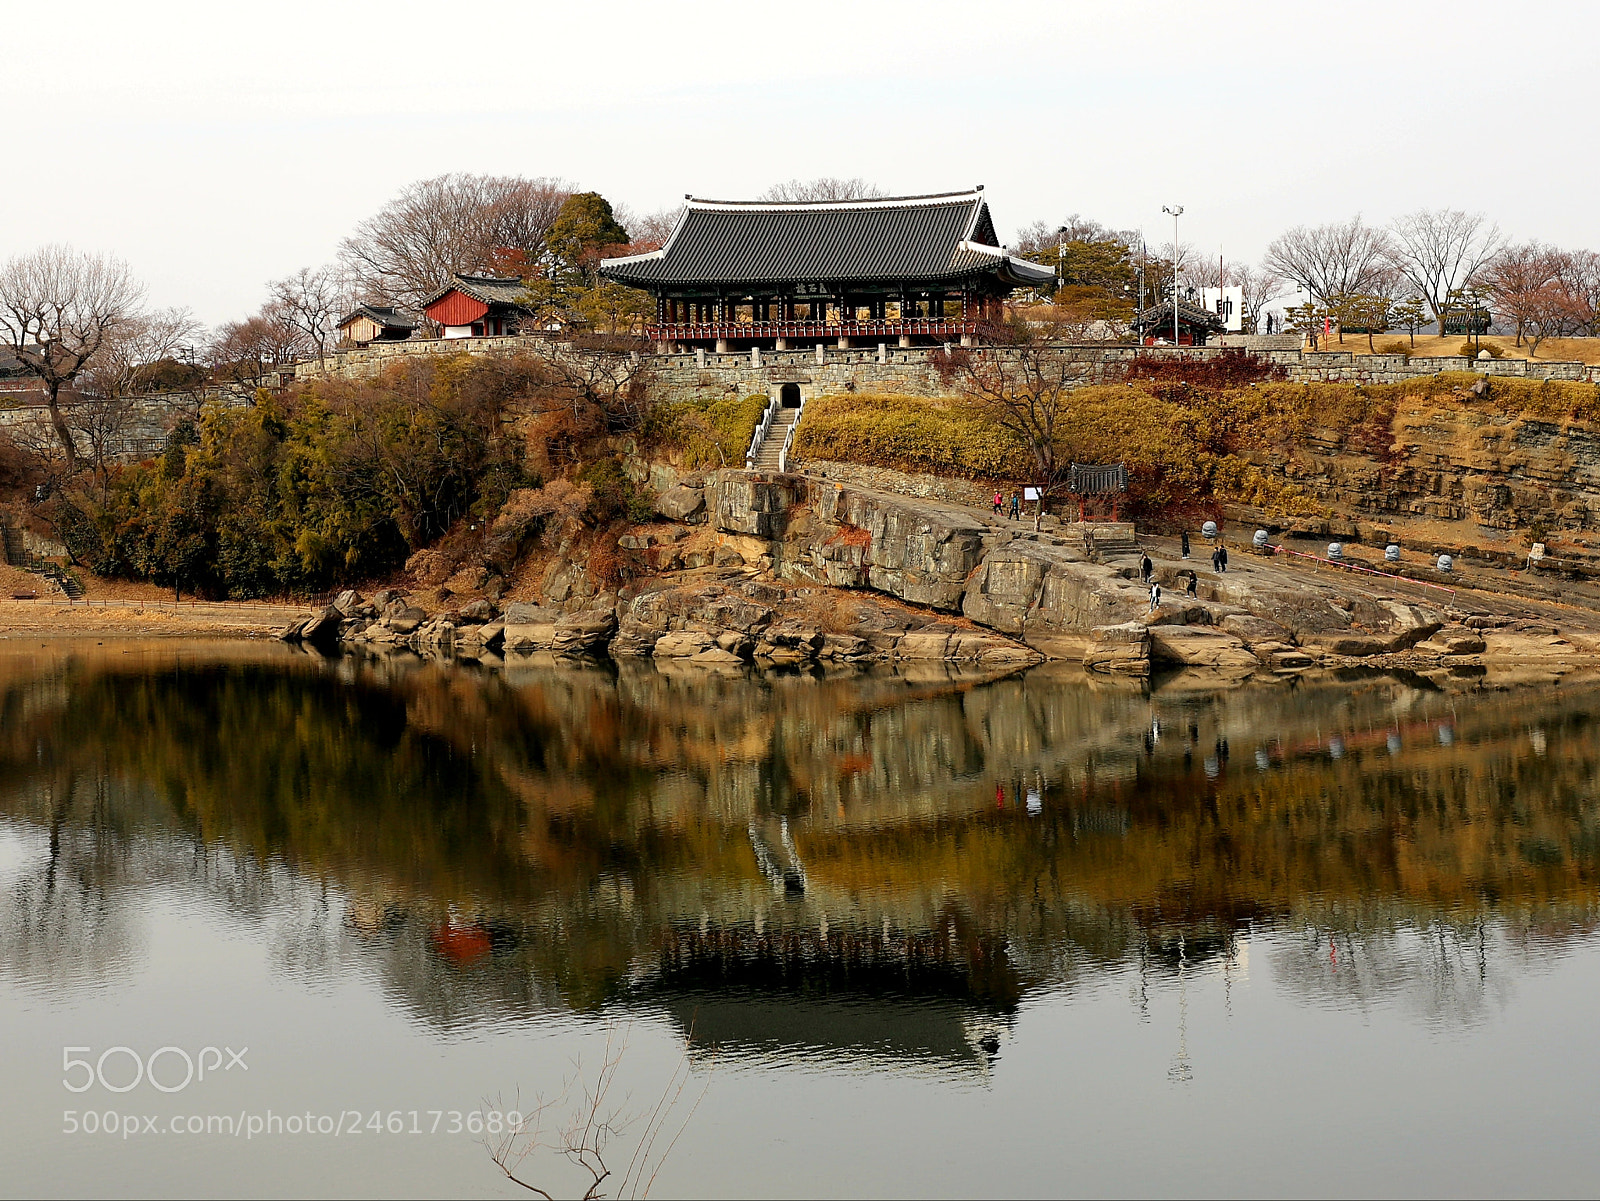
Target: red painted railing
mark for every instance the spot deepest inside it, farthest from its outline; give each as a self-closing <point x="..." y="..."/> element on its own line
<point x="685" y="331"/>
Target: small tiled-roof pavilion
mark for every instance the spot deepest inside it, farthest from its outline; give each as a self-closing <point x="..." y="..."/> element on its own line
<point x="908" y="270"/>
<point x="1195" y="323"/>
<point x="477" y="306"/>
<point x="369" y="323"/>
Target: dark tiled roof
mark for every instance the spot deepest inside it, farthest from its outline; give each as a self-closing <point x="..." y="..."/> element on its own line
<point x="1093" y="479"/>
<point x="381" y="313"/>
<point x="914" y="239"/>
<point x="486" y="289"/>
<point x="1193" y="314"/>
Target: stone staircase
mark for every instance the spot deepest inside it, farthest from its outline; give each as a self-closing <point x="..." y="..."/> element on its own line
<point x="1103" y="540"/>
<point x="18" y="555"/>
<point x="772" y="446"/>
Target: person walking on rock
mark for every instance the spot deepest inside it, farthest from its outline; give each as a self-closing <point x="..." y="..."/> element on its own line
<point x="1155" y="596"/>
<point x="1016" y="505"/>
<point x="1146" y="568"/>
<point x="1222" y="558"/>
<point x="997" y="503"/>
<point x="1216" y="559"/>
<point x="1191" y="584"/>
<point x="1184" y="543"/>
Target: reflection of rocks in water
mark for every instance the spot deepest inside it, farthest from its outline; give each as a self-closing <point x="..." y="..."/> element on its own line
<point x="488" y="844"/>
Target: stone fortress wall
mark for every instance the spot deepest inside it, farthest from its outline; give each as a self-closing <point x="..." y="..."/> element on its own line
<point x="822" y="371"/>
<point x="818" y="371"/>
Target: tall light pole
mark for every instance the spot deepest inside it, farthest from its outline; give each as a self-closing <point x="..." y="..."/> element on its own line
<point x="1176" y="211"/>
<point x="1061" y="256"/>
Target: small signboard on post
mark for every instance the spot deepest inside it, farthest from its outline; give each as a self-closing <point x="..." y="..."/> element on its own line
<point x="1030" y="493"/>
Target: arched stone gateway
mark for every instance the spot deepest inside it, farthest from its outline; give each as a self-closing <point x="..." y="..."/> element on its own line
<point x="789" y="396"/>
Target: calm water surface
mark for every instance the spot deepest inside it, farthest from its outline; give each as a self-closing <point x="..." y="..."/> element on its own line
<point x="931" y="935"/>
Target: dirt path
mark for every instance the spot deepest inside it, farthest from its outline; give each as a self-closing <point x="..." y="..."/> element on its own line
<point x="57" y="618"/>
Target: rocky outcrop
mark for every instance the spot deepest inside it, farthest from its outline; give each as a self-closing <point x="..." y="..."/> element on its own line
<point x="1122" y="650"/>
<point x="530" y="627"/>
<point x="1050" y="596"/>
<point x="757" y="502"/>
<point x="918" y="551"/>
<point x="965" y="646"/>
<point x="1201" y="646"/>
<point x="704" y="610"/>
<point x="726" y="622"/>
<point x="680" y="503"/>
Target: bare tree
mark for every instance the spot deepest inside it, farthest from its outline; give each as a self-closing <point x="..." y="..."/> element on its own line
<point x="1258" y="287"/>
<point x="649" y="231"/>
<point x="592" y="1134"/>
<point x="1042" y="236"/>
<point x="1439" y="251"/>
<point x="1579" y="274"/>
<point x="1515" y="277"/>
<point x="824" y="187"/>
<point x="1203" y="271"/>
<point x="1550" y="312"/>
<point x="1026" y="390"/>
<point x="58" y="307"/>
<point x="312" y="302"/>
<point x="1333" y="260"/>
<point x="450" y="223"/>
<point x="139" y="343"/>
<point x="242" y="352"/>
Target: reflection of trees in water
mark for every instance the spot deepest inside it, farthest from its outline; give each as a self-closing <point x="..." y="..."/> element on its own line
<point x="492" y="844"/>
<point x="1450" y="970"/>
<point x="62" y="928"/>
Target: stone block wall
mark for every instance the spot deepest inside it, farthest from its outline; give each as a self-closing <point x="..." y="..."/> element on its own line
<point x="704" y="375"/>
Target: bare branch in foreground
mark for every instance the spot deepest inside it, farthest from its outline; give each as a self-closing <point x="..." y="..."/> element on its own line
<point x="593" y="1124"/>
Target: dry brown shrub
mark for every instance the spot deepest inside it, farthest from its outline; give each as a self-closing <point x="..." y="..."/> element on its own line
<point x="430" y="567"/>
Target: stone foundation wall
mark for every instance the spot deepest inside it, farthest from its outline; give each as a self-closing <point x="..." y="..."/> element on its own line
<point x="702" y="375"/>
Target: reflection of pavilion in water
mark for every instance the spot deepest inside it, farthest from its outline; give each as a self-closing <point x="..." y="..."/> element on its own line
<point x="877" y="869"/>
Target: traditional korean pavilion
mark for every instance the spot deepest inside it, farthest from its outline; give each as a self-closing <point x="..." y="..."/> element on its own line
<point x="477" y="306"/>
<point x="910" y="270"/>
<point x="368" y="323"/>
<point x="1195" y="323"/>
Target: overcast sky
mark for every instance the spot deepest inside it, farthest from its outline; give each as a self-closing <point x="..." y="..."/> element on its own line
<point x="218" y="146"/>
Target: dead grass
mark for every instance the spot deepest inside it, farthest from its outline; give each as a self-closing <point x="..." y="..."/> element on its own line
<point x="1552" y="350"/>
<point x="14" y="579"/>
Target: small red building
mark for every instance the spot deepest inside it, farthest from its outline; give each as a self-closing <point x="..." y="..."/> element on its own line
<point x="477" y="306"/>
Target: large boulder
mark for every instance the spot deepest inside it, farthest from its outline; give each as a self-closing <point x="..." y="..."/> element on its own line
<point x="741" y="611"/>
<point x="529" y="627"/>
<point x="584" y="633"/>
<point x="406" y="619"/>
<point x="965" y="646"/>
<point x="1050" y="596"/>
<point x="757" y="502"/>
<point x="1122" y="649"/>
<point x="487" y="637"/>
<point x="789" y="642"/>
<point x="323" y="629"/>
<point x="919" y="551"/>
<point x="1201" y="646"/>
<point x="682" y="504"/>
<point x="1252" y="629"/>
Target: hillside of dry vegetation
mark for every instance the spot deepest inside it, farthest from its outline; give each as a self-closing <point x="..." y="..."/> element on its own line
<point x="1293" y="451"/>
